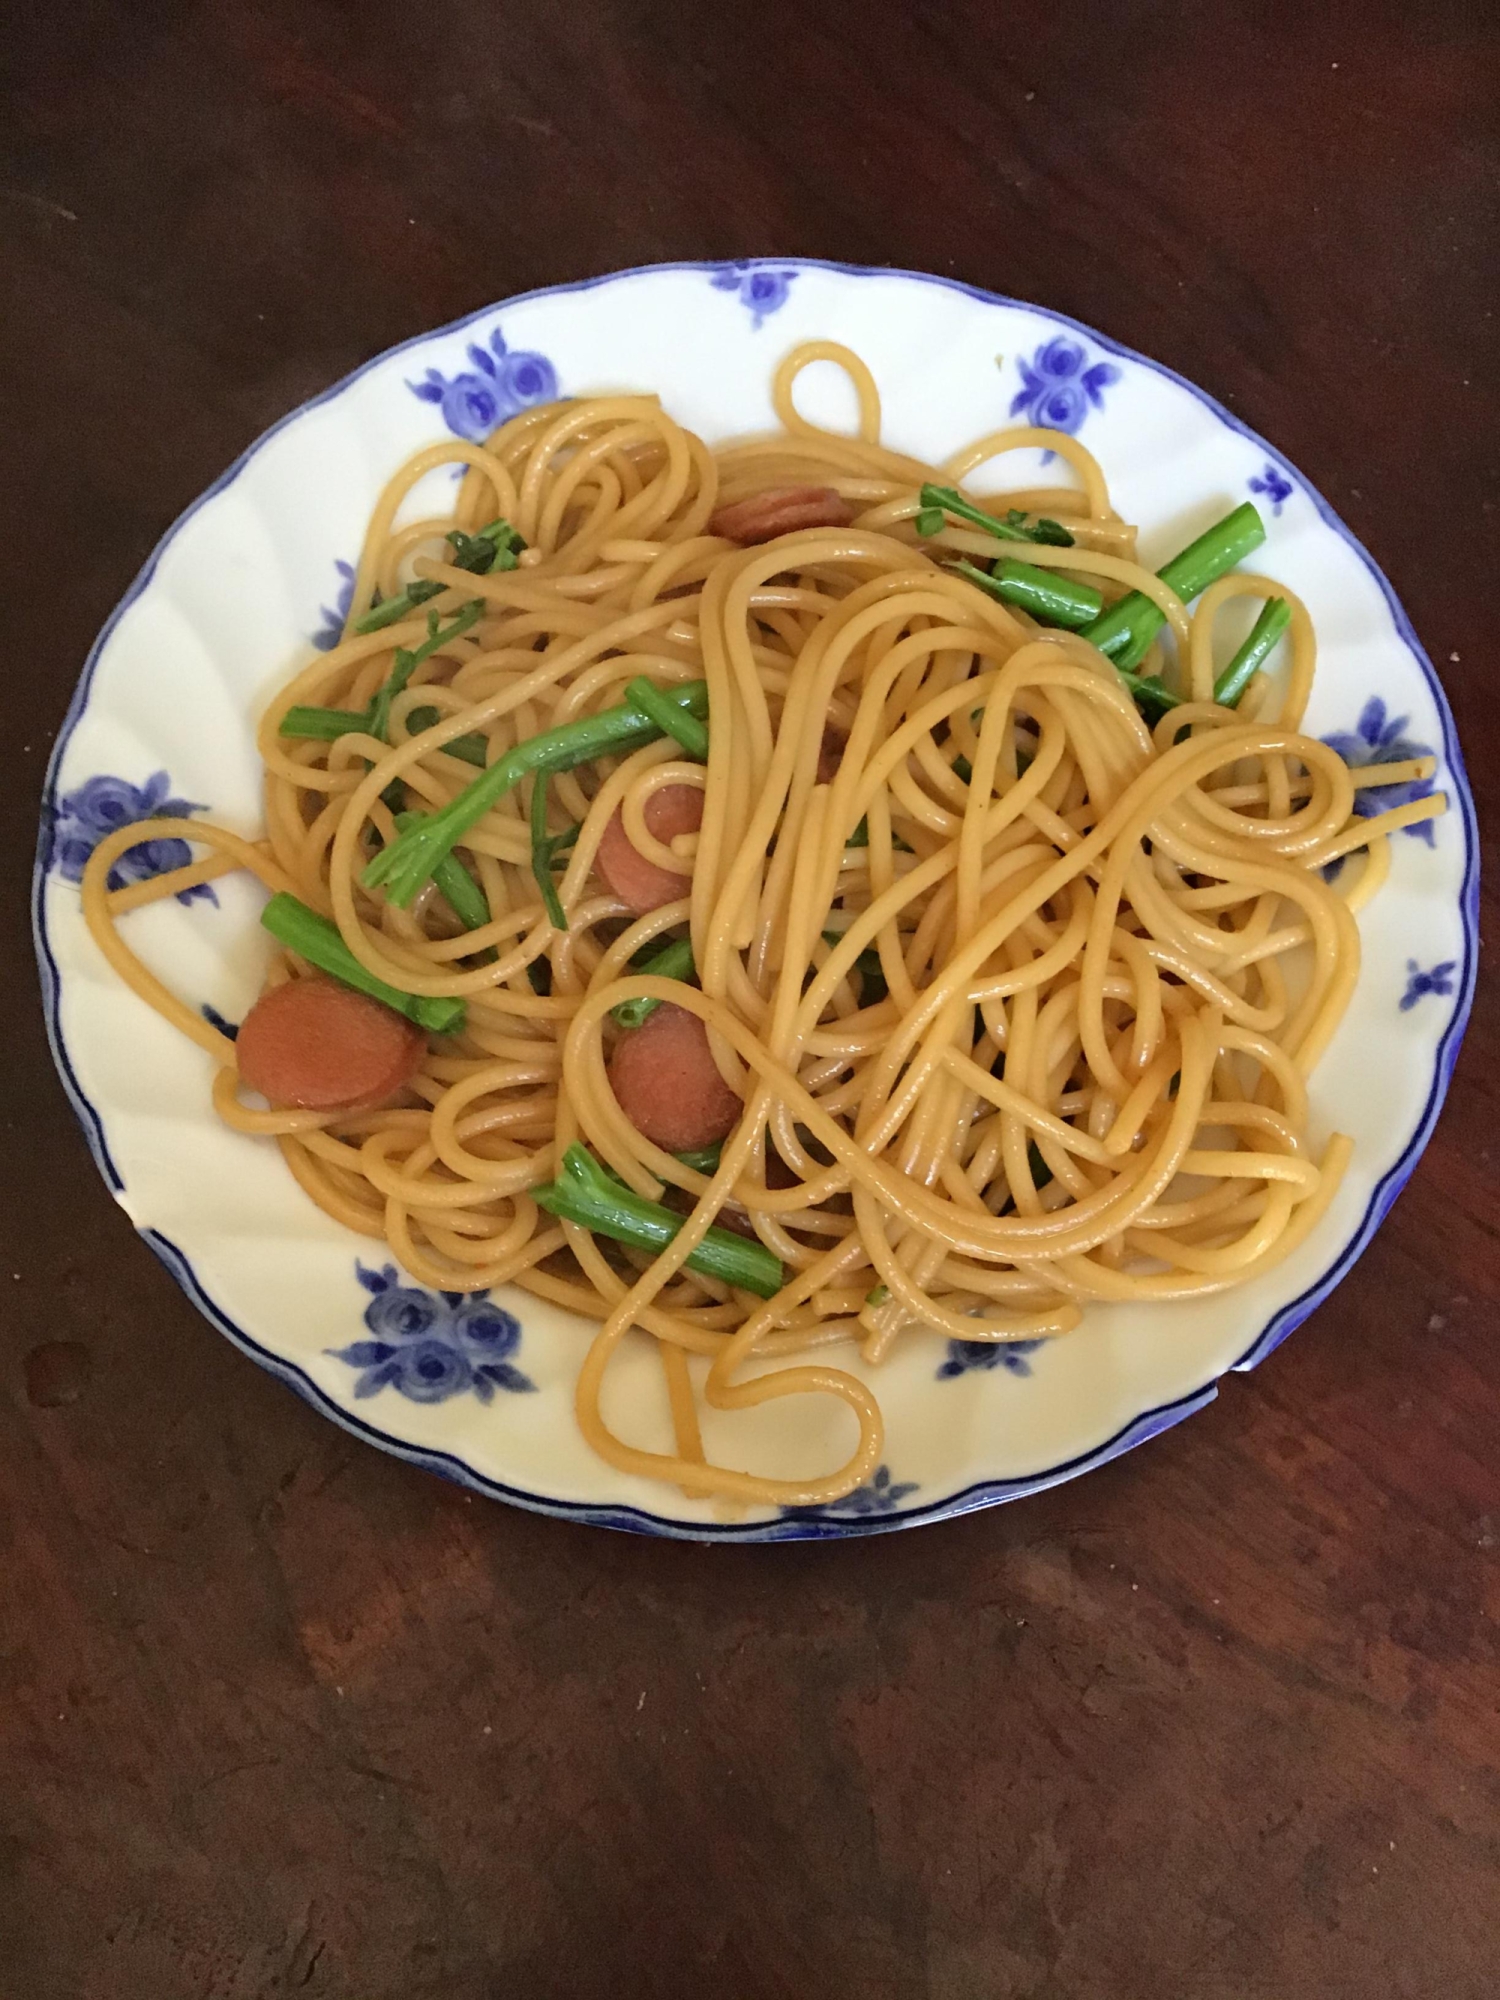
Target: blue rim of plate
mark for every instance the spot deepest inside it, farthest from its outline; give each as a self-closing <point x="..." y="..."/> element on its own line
<point x="985" y="1493"/>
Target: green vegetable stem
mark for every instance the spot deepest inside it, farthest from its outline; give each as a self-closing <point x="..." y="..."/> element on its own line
<point x="673" y="961"/>
<point x="1229" y="688"/>
<point x="543" y="847"/>
<point x="407" y="863"/>
<point x="469" y="902"/>
<point x="938" y="501"/>
<point x="328" y="724"/>
<point x="318" y="941"/>
<point x="584" y="1193"/>
<point x="493" y="549"/>
<point x="668" y="717"/>
<point x="1125" y="631"/>
<point x="1053" y="599"/>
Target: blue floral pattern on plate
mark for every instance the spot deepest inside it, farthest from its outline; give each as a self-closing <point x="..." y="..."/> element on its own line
<point x="1060" y="386"/>
<point x="1379" y="739"/>
<point x="1439" y="980"/>
<point x="880" y="1495"/>
<point x="79" y="820"/>
<point x="429" y="1346"/>
<point x="762" y="289"/>
<point x="501" y="382"/>
<point x="1272" y="486"/>
<point x="335" y="616"/>
<point x="1007" y="1354"/>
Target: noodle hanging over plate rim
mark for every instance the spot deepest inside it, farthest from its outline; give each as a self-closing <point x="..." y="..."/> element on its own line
<point x="1003" y="997"/>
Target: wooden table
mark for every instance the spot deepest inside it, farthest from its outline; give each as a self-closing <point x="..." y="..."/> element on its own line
<point x="279" y="1716"/>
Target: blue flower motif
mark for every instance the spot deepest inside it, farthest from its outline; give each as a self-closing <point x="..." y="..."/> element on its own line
<point x="429" y="1346"/>
<point x="401" y="1312"/>
<point x="334" y="616"/>
<point x="761" y="290"/>
<point x="1272" y="485"/>
<point x="500" y="383"/>
<point x="880" y="1495"/>
<point x="488" y="1337"/>
<point x="1439" y="981"/>
<point x="216" y="1020"/>
<point x="1007" y="1354"/>
<point x="1058" y="388"/>
<point x="1380" y="739"/>
<point x="78" y="822"/>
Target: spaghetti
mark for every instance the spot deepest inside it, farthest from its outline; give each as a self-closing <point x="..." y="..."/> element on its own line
<point x="1012" y="943"/>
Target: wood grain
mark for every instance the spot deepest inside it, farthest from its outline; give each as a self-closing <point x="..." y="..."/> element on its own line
<point x="281" y="1717"/>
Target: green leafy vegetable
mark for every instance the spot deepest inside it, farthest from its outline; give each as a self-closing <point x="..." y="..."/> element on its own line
<point x="468" y="901"/>
<point x="1055" y="600"/>
<point x="494" y="548"/>
<point x="405" y="865"/>
<point x="1014" y="528"/>
<point x="314" y="938"/>
<point x="673" y="961"/>
<point x="473" y="748"/>
<point x="1229" y="688"/>
<point x="1126" y="630"/>
<point x="873" y="987"/>
<point x="1150" y="694"/>
<point x="584" y="1193"/>
<point x="1051" y="532"/>
<point x="543" y="848"/>
<point x="326" y="725"/>
<point x="668" y="717"/>
<point x="408" y="660"/>
<point x="391" y="610"/>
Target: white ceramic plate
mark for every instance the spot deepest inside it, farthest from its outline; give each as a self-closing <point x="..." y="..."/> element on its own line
<point x="250" y="579"/>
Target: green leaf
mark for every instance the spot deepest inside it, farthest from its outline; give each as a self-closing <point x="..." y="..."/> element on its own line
<point x="1053" y="533"/>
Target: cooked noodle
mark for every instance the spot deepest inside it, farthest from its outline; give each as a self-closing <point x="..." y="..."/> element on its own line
<point x="1111" y="958"/>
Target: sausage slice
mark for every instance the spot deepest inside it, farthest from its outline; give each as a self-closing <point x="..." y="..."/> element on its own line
<point x="780" y="510"/>
<point x="666" y="1082"/>
<point x="635" y="880"/>
<point x="317" y="1045"/>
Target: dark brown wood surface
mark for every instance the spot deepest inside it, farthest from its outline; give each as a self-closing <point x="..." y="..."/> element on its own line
<point x="279" y="1716"/>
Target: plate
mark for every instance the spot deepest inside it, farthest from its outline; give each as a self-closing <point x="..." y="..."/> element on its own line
<point x="255" y="575"/>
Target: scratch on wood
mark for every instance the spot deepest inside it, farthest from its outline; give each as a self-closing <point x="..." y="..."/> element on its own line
<point x="38" y="203"/>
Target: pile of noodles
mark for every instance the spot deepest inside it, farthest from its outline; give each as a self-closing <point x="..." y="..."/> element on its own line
<point x="1087" y="1076"/>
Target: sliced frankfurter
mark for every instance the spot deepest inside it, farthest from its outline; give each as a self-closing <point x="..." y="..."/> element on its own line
<point x="635" y="880"/>
<point x="780" y="510"/>
<point x="831" y="753"/>
<point x="316" y="1045"/>
<point x="666" y="1082"/>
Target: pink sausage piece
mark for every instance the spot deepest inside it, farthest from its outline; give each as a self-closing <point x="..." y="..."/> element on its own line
<point x="635" y="880"/>
<point x="316" y="1045"/>
<point x="668" y="1085"/>
<point x="780" y="510"/>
